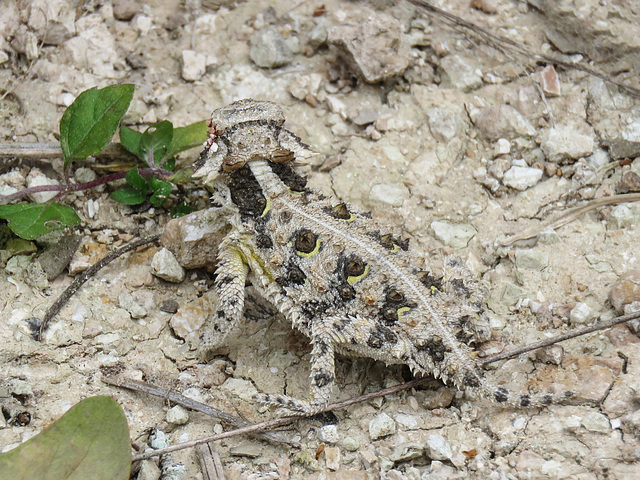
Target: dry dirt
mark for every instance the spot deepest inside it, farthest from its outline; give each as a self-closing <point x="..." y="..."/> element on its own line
<point x="463" y="137"/>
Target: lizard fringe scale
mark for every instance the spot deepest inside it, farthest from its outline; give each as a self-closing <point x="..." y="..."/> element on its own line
<point x="349" y="284"/>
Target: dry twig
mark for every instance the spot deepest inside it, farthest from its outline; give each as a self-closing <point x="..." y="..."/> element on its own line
<point x="560" y="338"/>
<point x="40" y="150"/>
<point x="86" y="275"/>
<point x="210" y="462"/>
<point x="193" y="405"/>
<point x="504" y="44"/>
<point x="569" y="216"/>
<point x="277" y="422"/>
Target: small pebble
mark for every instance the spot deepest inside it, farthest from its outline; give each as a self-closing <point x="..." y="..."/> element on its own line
<point x="439" y="399"/>
<point x="551" y="355"/>
<point x="165" y="266"/>
<point x="444" y="124"/>
<point x="596" y="422"/>
<point x="381" y="426"/>
<point x="126" y="301"/>
<point x="502" y="146"/>
<point x="332" y="458"/>
<point x="389" y="193"/>
<point x="65" y="99"/>
<point x="572" y="423"/>
<point x="550" y="81"/>
<point x="125" y="9"/>
<point x="372" y="43"/>
<point x="521" y="178"/>
<point x="38" y="179"/>
<point x="501" y="121"/>
<point x="246" y="449"/>
<point x="566" y="143"/>
<point x="177" y="415"/>
<point x="456" y="72"/>
<point x="169" y="306"/>
<point x="409" y="421"/>
<point x="269" y="49"/>
<point x="186" y="322"/>
<point x="437" y="448"/>
<point x="531" y="259"/>
<point x="519" y="423"/>
<point x="580" y="314"/>
<point x="453" y="235"/>
<point x="626" y="290"/>
<point x="623" y="216"/>
<point x="318" y="35"/>
<point x="141" y="23"/>
<point x="148" y="471"/>
<point x="350" y="444"/>
<point x="194" y="65"/>
<point x="158" y="440"/>
<point x="407" y="451"/>
<point x="487" y="6"/>
<point x="629" y="182"/>
<point x="492" y="347"/>
<point x="329" y="434"/>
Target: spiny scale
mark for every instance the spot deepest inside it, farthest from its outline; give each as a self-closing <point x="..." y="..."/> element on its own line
<point x="349" y="284"/>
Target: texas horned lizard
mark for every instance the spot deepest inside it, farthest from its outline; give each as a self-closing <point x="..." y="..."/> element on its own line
<point x="349" y="284"/>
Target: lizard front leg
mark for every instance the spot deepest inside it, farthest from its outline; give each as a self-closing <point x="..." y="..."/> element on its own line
<point x="231" y="275"/>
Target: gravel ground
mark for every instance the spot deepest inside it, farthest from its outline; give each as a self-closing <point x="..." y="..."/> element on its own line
<point x="459" y="144"/>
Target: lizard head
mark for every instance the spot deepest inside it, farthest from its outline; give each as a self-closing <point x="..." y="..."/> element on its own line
<point x="247" y="130"/>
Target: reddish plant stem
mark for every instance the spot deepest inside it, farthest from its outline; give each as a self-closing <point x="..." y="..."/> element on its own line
<point x="74" y="187"/>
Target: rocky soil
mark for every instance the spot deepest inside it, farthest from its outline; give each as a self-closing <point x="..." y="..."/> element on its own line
<point x="456" y="142"/>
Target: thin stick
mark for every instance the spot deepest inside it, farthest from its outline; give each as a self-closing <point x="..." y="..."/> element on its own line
<point x="210" y="462"/>
<point x="86" y="275"/>
<point x="277" y="422"/>
<point x="569" y="215"/>
<point x="39" y="150"/>
<point x="193" y="405"/>
<point x="500" y="42"/>
<point x="559" y="338"/>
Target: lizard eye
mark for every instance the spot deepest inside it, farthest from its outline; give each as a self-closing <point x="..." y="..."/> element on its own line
<point x="281" y="155"/>
<point x="230" y="164"/>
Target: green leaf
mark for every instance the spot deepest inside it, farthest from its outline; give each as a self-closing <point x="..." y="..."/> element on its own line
<point x="161" y="187"/>
<point x="156" y="139"/>
<point x="188" y="137"/>
<point x="161" y="191"/>
<point x="130" y="140"/>
<point x="90" y="441"/>
<point x="129" y="196"/>
<point x="180" y="210"/>
<point x="170" y="164"/>
<point x="136" y="180"/>
<point x="182" y="177"/>
<point x="91" y="120"/>
<point x="31" y="220"/>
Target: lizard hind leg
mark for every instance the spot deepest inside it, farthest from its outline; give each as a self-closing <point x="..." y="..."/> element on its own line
<point x="322" y="380"/>
<point x="231" y="275"/>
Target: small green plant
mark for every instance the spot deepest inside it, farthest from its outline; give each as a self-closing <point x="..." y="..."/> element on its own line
<point x="86" y="128"/>
<point x="91" y="441"/>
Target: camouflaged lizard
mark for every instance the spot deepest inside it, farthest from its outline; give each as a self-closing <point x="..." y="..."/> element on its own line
<point x="350" y="285"/>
